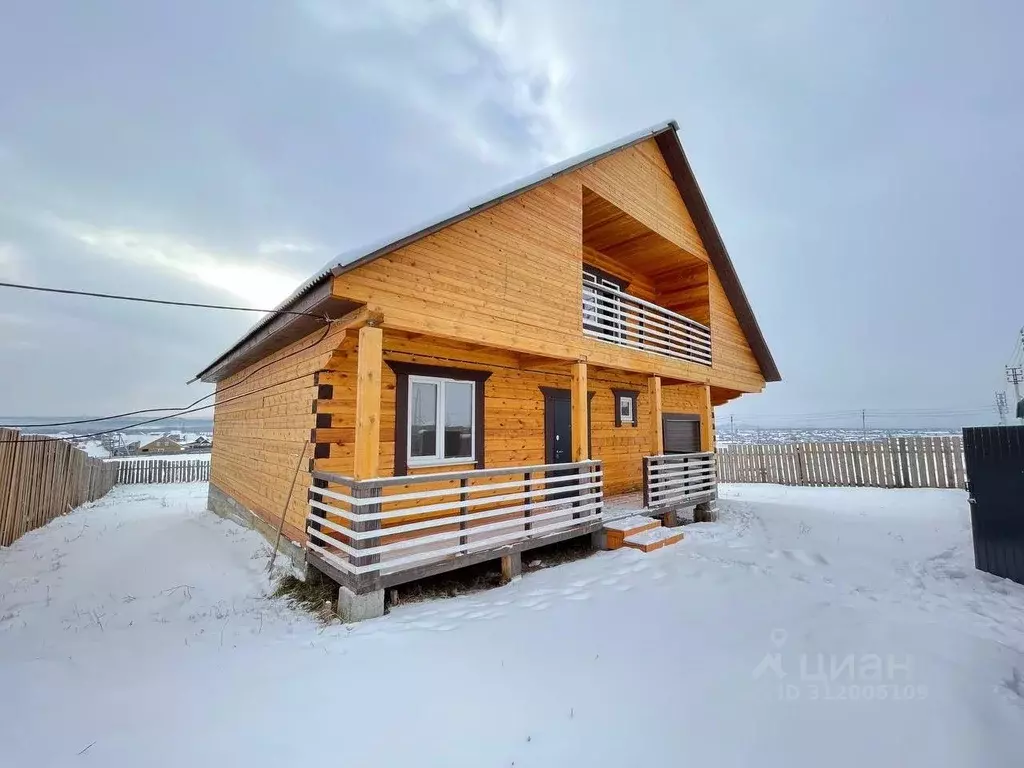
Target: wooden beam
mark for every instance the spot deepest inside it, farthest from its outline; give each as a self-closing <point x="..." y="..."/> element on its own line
<point x="540" y="363"/>
<point x="595" y="351"/>
<point x="580" y="439"/>
<point x="707" y="421"/>
<point x="368" y="375"/>
<point x="657" y="440"/>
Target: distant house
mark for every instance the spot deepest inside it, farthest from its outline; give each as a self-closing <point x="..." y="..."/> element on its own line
<point x="125" y="449"/>
<point x="200" y="445"/>
<point x="165" y="444"/>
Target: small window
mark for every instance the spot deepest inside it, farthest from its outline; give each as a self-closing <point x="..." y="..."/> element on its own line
<point x="441" y="423"/>
<point x="625" y="407"/>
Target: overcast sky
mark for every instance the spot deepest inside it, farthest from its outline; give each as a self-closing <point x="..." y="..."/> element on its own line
<point x="863" y="161"/>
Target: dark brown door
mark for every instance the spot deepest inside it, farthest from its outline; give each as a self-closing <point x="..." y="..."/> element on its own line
<point x="681" y="432"/>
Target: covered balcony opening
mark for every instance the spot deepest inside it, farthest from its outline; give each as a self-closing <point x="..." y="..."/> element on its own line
<point x="641" y="290"/>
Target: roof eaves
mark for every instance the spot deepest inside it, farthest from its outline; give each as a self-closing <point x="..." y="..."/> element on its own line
<point x="693" y="197"/>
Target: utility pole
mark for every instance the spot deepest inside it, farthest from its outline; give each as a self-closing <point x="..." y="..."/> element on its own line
<point x="864" y="422"/>
<point x="732" y="423"/>
<point x="1015" y="375"/>
<point x="1001" y="407"/>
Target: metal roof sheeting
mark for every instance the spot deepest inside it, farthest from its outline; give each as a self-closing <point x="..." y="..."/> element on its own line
<point x="365" y="253"/>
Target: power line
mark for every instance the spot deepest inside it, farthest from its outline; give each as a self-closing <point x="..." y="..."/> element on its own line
<point x="47" y="439"/>
<point x="119" y="297"/>
<point x="190" y="405"/>
<point x="1018" y="349"/>
<point x="1001" y="406"/>
<point x="868" y="412"/>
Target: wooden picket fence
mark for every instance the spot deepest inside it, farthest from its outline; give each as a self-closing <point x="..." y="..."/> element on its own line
<point x="162" y="471"/>
<point x="897" y="462"/>
<point x="41" y="479"/>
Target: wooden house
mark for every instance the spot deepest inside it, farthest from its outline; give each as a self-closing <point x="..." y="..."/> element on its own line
<point x="201" y="444"/>
<point x="511" y="375"/>
<point x="162" y="445"/>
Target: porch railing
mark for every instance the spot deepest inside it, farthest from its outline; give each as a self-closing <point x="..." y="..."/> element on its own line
<point x="614" y="316"/>
<point x="679" y="479"/>
<point x="375" y="529"/>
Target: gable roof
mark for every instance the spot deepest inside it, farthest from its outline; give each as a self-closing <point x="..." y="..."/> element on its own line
<point x="275" y="330"/>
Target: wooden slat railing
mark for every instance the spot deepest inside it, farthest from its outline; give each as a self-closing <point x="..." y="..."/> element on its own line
<point x="162" y="471"/>
<point x="614" y="316"/>
<point x="388" y="525"/>
<point x="896" y="462"/>
<point x="679" y="479"/>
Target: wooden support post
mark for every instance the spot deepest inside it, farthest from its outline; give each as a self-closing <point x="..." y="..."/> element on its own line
<point x="657" y="438"/>
<point x="366" y="466"/>
<point x="707" y="421"/>
<point x="580" y="438"/>
<point x="511" y="567"/>
<point x="367" y="437"/>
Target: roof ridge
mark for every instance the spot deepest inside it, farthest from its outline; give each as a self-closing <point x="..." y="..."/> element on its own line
<point x="682" y="175"/>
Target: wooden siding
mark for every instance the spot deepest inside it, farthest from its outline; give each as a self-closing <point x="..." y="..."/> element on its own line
<point x="514" y="409"/>
<point x="510" y="276"/>
<point x="638" y="181"/>
<point x="261" y="425"/>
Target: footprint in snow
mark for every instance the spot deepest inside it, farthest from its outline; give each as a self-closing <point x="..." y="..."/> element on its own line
<point x="533" y="604"/>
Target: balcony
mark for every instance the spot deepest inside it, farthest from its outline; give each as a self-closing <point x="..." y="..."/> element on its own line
<point x="619" y="318"/>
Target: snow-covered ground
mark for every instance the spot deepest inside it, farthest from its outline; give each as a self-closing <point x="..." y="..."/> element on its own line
<point x="840" y="627"/>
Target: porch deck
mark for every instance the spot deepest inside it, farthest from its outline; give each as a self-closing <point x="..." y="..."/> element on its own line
<point x="624" y="505"/>
<point x="371" y="534"/>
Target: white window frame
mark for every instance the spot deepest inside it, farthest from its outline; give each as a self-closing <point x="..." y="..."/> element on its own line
<point x="438" y="458"/>
<point x="631" y="419"/>
<point x="602" y="312"/>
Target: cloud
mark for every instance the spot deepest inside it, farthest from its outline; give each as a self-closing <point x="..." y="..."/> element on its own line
<point x="490" y="81"/>
<point x="274" y="247"/>
<point x="259" y="285"/>
<point x="11" y="261"/>
<point x="12" y="332"/>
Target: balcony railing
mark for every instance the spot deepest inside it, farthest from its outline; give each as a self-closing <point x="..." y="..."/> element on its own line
<point x="679" y="479"/>
<point x="616" y="317"/>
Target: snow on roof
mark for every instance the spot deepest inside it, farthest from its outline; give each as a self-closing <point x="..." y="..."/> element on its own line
<point x="348" y="259"/>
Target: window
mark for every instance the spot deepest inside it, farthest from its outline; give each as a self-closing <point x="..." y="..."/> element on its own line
<point x="441" y="420"/>
<point x="601" y="310"/>
<point x="439" y="415"/>
<point x="625" y="407"/>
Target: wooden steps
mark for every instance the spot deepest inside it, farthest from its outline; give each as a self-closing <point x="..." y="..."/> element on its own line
<point x="638" y="532"/>
<point x="616" y="531"/>
<point x="655" y="538"/>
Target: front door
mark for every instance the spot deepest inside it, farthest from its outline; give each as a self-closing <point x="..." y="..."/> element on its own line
<point x="558" y="436"/>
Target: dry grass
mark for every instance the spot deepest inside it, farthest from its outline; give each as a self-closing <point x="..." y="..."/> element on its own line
<point x="487" y="575"/>
<point x="317" y="594"/>
<point x="557" y="554"/>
